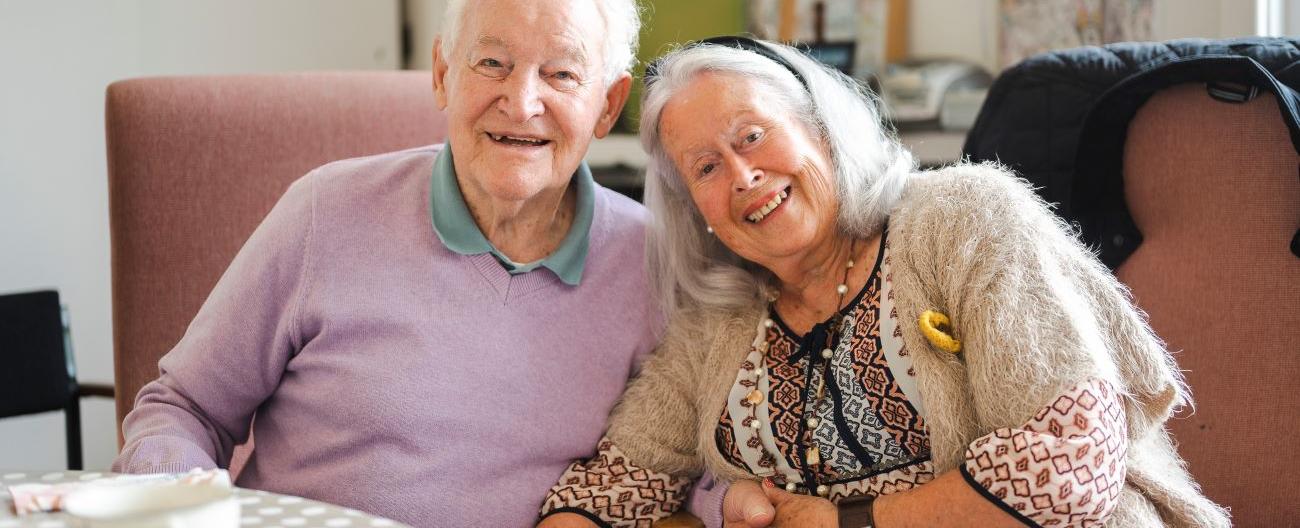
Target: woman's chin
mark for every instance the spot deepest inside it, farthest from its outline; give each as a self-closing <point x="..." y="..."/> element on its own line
<point x="776" y="246"/>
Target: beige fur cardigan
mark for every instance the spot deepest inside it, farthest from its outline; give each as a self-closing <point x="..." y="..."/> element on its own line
<point x="1035" y="311"/>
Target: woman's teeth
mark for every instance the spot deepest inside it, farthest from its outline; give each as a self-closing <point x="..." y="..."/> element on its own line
<point x="763" y="211"/>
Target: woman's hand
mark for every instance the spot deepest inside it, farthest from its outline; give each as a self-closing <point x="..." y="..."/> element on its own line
<point x="566" y="520"/>
<point x="747" y="505"/>
<point x="801" y="510"/>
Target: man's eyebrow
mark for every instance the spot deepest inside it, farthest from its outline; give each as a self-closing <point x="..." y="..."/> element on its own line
<point x="488" y="40"/>
<point x="574" y="53"/>
<point x="571" y="52"/>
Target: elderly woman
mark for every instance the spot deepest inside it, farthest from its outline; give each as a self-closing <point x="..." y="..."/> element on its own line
<point x="878" y="346"/>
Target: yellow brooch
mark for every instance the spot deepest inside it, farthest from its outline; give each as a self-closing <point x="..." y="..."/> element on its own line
<point x="935" y="326"/>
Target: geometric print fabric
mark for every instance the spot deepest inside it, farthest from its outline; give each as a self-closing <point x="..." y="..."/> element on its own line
<point x="617" y="491"/>
<point x="1063" y="468"/>
<point x="866" y="402"/>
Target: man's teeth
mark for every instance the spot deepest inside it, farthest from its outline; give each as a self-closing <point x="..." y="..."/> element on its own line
<point x="768" y="207"/>
<point x="517" y="139"/>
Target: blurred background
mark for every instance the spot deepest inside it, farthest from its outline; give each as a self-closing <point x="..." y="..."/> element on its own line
<point x="930" y="59"/>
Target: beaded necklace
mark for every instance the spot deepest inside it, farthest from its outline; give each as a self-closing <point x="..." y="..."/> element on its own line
<point x="753" y="399"/>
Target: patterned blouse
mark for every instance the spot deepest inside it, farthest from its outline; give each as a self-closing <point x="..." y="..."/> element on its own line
<point x="867" y="434"/>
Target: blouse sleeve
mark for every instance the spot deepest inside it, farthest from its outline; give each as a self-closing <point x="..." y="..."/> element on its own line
<point x="611" y="490"/>
<point x="1065" y="467"/>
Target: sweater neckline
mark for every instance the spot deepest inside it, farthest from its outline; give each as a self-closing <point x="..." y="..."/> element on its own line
<point x="508" y="287"/>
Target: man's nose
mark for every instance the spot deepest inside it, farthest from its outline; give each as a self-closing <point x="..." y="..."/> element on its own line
<point x="522" y="97"/>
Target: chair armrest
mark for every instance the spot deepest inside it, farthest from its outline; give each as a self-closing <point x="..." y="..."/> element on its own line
<point x="95" y="389"/>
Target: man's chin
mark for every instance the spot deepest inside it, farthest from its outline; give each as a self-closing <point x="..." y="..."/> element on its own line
<point x="522" y="186"/>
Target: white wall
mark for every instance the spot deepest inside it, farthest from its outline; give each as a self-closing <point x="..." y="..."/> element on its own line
<point x="968" y="29"/>
<point x="425" y="19"/>
<point x="1203" y="18"/>
<point x="1291" y="17"/>
<point x="963" y="30"/>
<point x="57" y="57"/>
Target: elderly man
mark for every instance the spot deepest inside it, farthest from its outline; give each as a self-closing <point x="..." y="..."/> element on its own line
<point x="432" y="335"/>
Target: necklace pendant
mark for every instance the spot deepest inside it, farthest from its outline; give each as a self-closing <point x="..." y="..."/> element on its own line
<point x="754" y="397"/>
<point x="813" y="457"/>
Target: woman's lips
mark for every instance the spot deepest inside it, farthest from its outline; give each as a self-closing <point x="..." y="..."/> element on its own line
<point x="757" y="213"/>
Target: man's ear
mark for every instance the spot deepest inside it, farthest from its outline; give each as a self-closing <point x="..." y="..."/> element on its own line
<point x="615" y="98"/>
<point x="439" y="75"/>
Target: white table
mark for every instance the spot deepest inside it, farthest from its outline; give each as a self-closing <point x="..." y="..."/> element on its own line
<point x="258" y="509"/>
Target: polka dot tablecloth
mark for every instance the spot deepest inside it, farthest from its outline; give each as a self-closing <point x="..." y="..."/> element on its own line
<point x="257" y="509"/>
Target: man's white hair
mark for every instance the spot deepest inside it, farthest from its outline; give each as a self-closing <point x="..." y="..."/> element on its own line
<point x="688" y="267"/>
<point x="622" y="33"/>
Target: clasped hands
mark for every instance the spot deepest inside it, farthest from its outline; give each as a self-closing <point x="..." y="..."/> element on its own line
<point x="751" y="505"/>
<point x="747" y="505"/>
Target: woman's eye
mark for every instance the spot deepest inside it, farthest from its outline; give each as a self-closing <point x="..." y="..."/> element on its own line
<point x="707" y="168"/>
<point x="564" y="76"/>
<point x="490" y="63"/>
<point x="752" y="137"/>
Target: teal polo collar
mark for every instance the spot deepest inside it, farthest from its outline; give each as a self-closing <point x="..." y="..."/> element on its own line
<point x="457" y="230"/>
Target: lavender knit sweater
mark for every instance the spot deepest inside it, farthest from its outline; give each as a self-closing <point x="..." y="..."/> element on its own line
<point x="390" y="374"/>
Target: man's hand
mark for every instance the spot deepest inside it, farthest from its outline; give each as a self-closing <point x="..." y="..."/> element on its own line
<point x="800" y="510"/>
<point x="745" y="506"/>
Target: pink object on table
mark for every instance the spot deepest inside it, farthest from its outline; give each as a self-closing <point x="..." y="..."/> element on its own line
<point x="41" y="498"/>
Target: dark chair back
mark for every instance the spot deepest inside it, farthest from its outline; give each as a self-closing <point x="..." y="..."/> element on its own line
<point x="39" y="374"/>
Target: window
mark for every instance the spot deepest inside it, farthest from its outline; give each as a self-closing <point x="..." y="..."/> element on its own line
<point x="1277" y="18"/>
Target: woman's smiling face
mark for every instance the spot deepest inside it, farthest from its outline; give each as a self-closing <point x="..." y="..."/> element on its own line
<point x="760" y="179"/>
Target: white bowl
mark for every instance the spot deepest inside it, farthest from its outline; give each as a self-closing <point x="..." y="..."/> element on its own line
<point x="154" y="505"/>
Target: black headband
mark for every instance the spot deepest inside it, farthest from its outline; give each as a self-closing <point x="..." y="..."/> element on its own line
<point x="740" y="43"/>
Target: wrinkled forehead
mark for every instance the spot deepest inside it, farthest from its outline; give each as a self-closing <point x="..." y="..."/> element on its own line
<point x="566" y="27"/>
<point x="709" y="106"/>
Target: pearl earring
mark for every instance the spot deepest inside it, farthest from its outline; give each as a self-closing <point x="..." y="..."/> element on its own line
<point x="709" y="229"/>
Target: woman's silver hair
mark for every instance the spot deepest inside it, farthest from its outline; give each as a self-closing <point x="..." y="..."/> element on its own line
<point x="622" y="33"/>
<point x="689" y="267"/>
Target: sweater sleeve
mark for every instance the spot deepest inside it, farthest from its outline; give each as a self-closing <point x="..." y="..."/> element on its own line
<point x="1064" y="467"/>
<point x="706" y="500"/>
<point x="233" y="354"/>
